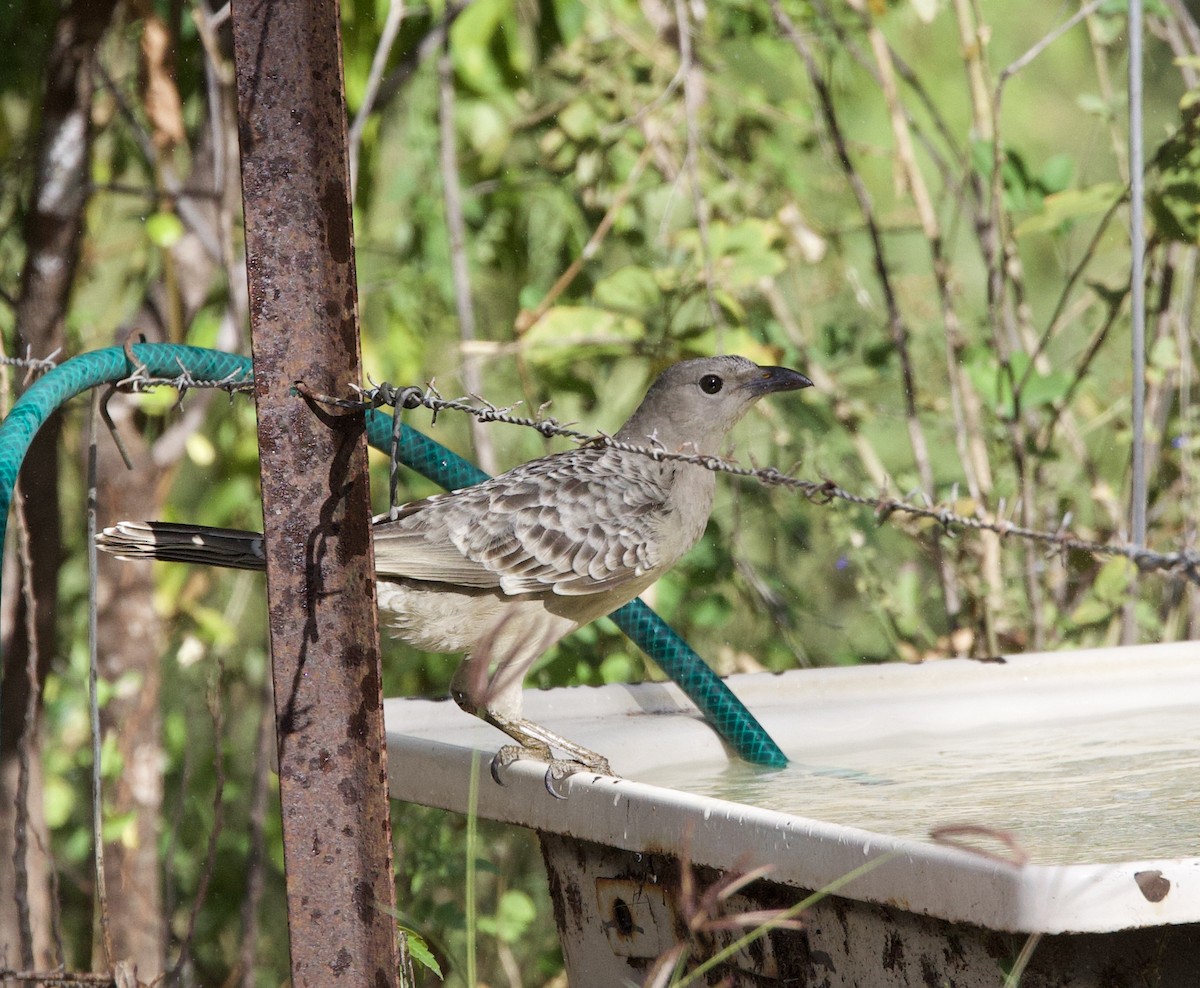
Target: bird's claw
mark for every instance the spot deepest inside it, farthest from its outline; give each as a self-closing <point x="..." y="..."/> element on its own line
<point x="505" y="757"/>
<point x="558" y="770"/>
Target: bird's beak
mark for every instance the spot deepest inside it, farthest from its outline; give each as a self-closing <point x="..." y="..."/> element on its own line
<point x="771" y="379"/>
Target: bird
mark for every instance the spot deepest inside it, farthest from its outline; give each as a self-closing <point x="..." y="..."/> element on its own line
<point x="504" y="569"/>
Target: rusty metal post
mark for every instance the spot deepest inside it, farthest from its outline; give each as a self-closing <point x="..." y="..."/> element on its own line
<point x="320" y="564"/>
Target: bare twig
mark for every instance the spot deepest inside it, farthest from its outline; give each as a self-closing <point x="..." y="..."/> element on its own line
<point x="21" y="810"/>
<point x="964" y="400"/>
<point x="427" y="48"/>
<point x="387" y="38"/>
<point x="527" y="320"/>
<point x="1104" y="83"/>
<point x="973" y="41"/>
<point x="896" y="325"/>
<point x="94" y="697"/>
<point x="456" y="227"/>
<point x="216" y="710"/>
<point x="256" y="857"/>
<point x="693" y="97"/>
<point x="1042" y="44"/>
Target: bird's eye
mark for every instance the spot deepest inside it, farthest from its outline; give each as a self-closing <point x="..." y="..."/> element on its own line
<point x="710" y="384"/>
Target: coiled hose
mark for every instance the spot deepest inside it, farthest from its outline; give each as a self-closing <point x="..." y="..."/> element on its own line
<point x="724" y="711"/>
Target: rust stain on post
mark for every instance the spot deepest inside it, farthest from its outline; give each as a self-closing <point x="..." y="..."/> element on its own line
<point x="316" y="507"/>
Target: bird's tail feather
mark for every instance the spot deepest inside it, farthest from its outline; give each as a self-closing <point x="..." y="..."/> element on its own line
<point x="184" y="544"/>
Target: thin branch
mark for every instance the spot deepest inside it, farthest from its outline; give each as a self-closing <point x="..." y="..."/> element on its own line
<point x="909" y="76"/>
<point x="896" y="326"/>
<point x="456" y="227"/>
<point x="429" y="45"/>
<point x="528" y="319"/>
<point x="216" y="711"/>
<point x="1024" y="60"/>
<point x="972" y="42"/>
<point x="387" y="38"/>
<point x="964" y="400"/>
<point x="256" y="857"/>
<point x="1057" y="320"/>
<point x="94" y="693"/>
<point x="693" y="96"/>
<point x="24" y="747"/>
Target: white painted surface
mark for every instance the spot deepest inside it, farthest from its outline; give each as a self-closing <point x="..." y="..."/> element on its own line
<point x="1114" y="727"/>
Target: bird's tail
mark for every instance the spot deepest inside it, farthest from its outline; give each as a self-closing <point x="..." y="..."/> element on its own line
<point x="184" y="544"/>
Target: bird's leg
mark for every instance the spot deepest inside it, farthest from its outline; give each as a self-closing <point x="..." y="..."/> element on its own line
<point x="539" y="741"/>
<point x="488" y="684"/>
<point x="535" y="739"/>
<point x="532" y="740"/>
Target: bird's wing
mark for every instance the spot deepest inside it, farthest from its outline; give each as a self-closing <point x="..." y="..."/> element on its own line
<point x="579" y="522"/>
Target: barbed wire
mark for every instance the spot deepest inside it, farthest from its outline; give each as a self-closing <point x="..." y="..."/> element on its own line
<point x="31" y="363"/>
<point x="140" y="380"/>
<point x="236" y="382"/>
<point x="1182" y="562"/>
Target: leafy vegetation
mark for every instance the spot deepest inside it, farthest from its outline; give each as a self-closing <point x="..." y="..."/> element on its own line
<point x="836" y="188"/>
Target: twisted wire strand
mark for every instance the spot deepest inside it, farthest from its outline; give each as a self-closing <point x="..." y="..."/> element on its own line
<point x="1185" y="561"/>
<point x="1180" y="562"/>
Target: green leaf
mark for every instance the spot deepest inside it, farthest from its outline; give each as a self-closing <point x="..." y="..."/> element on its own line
<point x="120" y="827"/>
<point x="906" y="600"/>
<point x="164" y="229"/>
<point x="741" y="255"/>
<point x="1043" y="389"/>
<point x="487" y="129"/>
<point x="563" y="334"/>
<point x="1093" y="104"/>
<point x="578" y="121"/>
<point x="514" y="913"/>
<point x="570" y="16"/>
<point x="58" y="800"/>
<point x="711" y="612"/>
<point x="471" y="48"/>
<point x="617" y="668"/>
<point x="629" y="289"/>
<point x="419" y="951"/>
<point x="1114" y="579"/>
<point x="1091" y="611"/>
<point x="996" y="386"/>
<point x="1056" y="173"/>
<point x="981" y="157"/>
<point x="1062" y="208"/>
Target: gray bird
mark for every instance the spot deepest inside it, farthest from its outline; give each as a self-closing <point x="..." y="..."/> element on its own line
<point x="506" y="568"/>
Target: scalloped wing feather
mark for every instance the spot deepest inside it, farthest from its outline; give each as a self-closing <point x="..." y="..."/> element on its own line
<point x="581" y="522"/>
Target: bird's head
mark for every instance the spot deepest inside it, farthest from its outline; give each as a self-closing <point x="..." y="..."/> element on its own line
<point x="693" y="405"/>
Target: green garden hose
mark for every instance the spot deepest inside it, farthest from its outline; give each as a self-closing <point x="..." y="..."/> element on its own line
<point x="724" y="711"/>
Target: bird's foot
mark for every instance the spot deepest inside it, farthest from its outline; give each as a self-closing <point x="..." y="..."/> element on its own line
<point x="558" y="770"/>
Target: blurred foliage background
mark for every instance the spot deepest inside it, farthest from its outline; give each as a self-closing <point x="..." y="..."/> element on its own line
<point x="923" y="205"/>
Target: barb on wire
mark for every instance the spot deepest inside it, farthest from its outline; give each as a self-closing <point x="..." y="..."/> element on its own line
<point x="140" y="381"/>
<point x="35" y="365"/>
